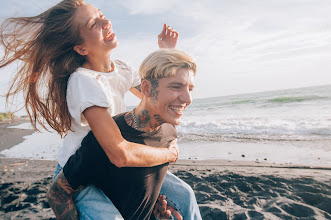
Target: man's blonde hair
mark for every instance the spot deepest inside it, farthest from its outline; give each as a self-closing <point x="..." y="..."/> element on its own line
<point x="164" y="63"/>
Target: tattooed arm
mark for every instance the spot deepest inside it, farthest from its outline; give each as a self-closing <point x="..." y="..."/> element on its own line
<point x="137" y="91"/>
<point x="60" y="198"/>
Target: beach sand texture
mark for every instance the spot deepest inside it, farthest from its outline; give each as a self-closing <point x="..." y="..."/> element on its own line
<point x="224" y="189"/>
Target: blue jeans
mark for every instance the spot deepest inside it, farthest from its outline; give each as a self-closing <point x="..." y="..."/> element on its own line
<point x="92" y="203"/>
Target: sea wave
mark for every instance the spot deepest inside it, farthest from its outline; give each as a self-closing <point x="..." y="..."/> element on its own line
<point x="314" y="140"/>
<point x="256" y="126"/>
<point x="288" y="99"/>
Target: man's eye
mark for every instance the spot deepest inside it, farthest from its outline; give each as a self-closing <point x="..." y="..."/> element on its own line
<point x="93" y="25"/>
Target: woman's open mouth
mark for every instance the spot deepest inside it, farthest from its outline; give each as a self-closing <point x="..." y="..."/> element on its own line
<point x="109" y="36"/>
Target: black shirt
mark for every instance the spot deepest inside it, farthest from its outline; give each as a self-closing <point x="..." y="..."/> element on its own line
<point x="133" y="190"/>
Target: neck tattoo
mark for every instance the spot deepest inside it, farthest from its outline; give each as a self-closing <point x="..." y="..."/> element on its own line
<point x="135" y="126"/>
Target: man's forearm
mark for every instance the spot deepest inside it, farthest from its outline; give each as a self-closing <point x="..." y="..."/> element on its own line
<point x="60" y="198"/>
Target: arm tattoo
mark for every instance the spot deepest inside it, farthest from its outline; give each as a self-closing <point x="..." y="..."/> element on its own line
<point x="138" y="87"/>
<point x="60" y="198"/>
<point x="154" y="92"/>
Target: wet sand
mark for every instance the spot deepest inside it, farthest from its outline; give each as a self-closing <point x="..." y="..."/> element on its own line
<point x="11" y="136"/>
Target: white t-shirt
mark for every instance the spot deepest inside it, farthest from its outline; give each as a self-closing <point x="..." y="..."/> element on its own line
<point x="87" y="88"/>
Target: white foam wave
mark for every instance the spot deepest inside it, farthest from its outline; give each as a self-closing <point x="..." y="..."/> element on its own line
<point x="257" y="126"/>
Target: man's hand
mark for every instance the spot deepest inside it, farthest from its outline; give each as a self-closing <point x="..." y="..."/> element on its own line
<point x="173" y="147"/>
<point x="163" y="211"/>
<point x="168" y="37"/>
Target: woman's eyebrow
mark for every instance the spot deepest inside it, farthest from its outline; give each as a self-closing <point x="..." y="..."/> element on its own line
<point x="88" y="21"/>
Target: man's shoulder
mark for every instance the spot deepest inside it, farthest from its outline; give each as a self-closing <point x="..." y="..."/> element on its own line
<point x="169" y="129"/>
<point x="162" y="137"/>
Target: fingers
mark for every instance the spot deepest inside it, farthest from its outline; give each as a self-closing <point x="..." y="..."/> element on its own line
<point x="173" y="147"/>
<point x="174" y="142"/>
<point x="163" y="32"/>
<point x="161" y="197"/>
<point x="168" y="32"/>
<point x="177" y="215"/>
<point x="160" y="209"/>
<point x="164" y="28"/>
<point x="171" y="32"/>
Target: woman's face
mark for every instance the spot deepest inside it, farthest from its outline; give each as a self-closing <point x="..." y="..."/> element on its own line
<point x="96" y="31"/>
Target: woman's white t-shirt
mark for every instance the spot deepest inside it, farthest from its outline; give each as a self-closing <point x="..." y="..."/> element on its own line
<point x="87" y="88"/>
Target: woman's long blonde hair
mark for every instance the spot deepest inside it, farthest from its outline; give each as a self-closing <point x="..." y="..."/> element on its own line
<point x="43" y="46"/>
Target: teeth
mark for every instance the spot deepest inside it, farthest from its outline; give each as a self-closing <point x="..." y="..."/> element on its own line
<point x="177" y="109"/>
<point x="108" y="35"/>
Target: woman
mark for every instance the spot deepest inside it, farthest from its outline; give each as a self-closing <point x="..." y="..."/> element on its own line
<point x="67" y="49"/>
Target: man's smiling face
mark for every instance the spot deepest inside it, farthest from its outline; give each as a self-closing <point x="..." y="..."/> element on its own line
<point x="171" y="95"/>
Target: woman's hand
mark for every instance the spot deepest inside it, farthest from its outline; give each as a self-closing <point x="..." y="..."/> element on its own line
<point x="173" y="148"/>
<point x="168" y="37"/>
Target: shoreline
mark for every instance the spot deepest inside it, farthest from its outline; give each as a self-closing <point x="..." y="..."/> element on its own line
<point x="19" y="140"/>
<point x="10" y="137"/>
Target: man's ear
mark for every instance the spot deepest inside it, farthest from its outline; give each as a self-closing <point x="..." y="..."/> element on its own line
<point x="80" y="50"/>
<point x="146" y="87"/>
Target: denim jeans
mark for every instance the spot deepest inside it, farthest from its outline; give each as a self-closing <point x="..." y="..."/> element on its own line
<point x="92" y="203"/>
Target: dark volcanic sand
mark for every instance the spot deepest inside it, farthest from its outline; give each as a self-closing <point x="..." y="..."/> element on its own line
<point x="224" y="190"/>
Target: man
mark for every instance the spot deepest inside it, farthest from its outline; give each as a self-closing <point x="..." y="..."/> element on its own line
<point x="167" y="81"/>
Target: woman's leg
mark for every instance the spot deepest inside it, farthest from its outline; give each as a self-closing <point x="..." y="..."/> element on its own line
<point x="92" y="203"/>
<point x="180" y="195"/>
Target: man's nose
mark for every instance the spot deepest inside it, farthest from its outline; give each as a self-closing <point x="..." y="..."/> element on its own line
<point x="186" y="97"/>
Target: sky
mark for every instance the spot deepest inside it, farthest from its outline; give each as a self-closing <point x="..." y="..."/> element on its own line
<point x="241" y="46"/>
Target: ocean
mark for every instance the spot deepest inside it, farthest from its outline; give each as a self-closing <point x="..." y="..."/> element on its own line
<point x="287" y="126"/>
<point x="292" y="120"/>
<point x="293" y="114"/>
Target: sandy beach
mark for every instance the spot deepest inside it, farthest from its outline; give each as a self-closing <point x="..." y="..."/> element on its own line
<point x="224" y="189"/>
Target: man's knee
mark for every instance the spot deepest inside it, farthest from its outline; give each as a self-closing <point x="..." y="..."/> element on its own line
<point x="188" y="191"/>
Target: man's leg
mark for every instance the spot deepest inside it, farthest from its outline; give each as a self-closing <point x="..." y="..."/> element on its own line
<point x="181" y="196"/>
